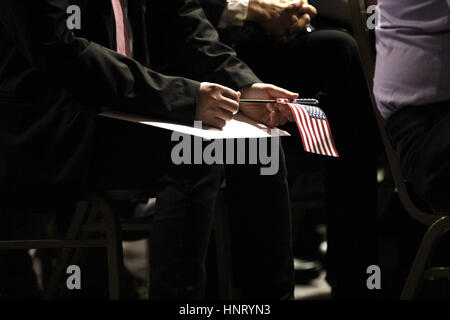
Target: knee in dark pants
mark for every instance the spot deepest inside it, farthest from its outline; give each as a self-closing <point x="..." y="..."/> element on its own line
<point x="198" y="183"/>
<point x="344" y="48"/>
<point x="181" y="231"/>
<point x="208" y="178"/>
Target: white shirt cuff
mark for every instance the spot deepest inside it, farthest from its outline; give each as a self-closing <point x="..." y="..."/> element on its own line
<point x="234" y="14"/>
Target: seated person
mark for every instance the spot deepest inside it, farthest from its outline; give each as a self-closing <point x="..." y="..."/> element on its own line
<point x="273" y="38"/>
<point x="412" y="91"/>
<point x="55" y="148"/>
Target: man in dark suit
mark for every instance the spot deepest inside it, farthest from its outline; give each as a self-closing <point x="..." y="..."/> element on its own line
<point x="274" y="37"/>
<point x="54" y="147"/>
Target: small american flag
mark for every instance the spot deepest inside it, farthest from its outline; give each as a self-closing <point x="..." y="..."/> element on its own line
<point x="314" y="129"/>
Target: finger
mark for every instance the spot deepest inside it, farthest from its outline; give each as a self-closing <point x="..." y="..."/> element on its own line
<point x="305" y="20"/>
<point x="230" y="93"/>
<point x="295" y="3"/>
<point x="297" y="24"/>
<point x="285" y="112"/>
<point x="296" y="29"/>
<point x="277" y="92"/>
<point x="302" y="1"/>
<point x="223" y="114"/>
<point x="218" y="123"/>
<point x="295" y="7"/>
<point x="272" y="107"/>
<point x="229" y="104"/>
<point x="281" y="118"/>
<point x="294" y="25"/>
<point x="273" y="120"/>
<point x="309" y="9"/>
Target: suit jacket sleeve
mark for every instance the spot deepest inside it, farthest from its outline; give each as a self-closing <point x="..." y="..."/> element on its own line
<point x="88" y="70"/>
<point x="194" y="45"/>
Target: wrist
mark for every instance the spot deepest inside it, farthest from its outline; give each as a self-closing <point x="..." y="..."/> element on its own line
<point x="245" y="90"/>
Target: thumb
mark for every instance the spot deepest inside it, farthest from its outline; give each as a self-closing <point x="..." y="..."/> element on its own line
<point x="277" y="92"/>
<point x="273" y="120"/>
<point x="309" y="9"/>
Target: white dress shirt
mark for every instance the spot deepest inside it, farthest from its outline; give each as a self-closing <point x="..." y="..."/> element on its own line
<point x="234" y="14"/>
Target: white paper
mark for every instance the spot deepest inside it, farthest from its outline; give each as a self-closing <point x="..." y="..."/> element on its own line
<point x="240" y="127"/>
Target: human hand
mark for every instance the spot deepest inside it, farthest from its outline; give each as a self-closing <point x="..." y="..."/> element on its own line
<point x="299" y="22"/>
<point x="216" y="104"/>
<point x="270" y="114"/>
<point x="275" y="16"/>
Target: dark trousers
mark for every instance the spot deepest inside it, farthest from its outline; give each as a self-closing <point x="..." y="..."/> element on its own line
<point x="420" y="135"/>
<point x="325" y="64"/>
<point x="139" y="156"/>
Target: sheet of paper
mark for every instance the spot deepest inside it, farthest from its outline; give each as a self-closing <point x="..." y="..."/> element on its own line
<point x="239" y="127"/>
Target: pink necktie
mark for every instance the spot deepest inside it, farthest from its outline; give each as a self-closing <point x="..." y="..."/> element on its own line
<point x="123" y="32"/>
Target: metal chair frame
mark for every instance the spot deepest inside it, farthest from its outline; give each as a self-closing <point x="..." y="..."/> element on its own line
<point x="83" y="224"/>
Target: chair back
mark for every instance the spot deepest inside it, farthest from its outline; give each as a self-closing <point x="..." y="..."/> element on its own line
<point x="365" y="39"/>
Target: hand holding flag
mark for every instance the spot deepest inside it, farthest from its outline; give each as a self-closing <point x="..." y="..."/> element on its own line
<point x="271" y="113"/>
<point x="280" y="106"/>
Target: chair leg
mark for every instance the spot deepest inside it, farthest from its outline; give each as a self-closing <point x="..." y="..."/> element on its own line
<point x="114" y="248"/>
<point x="423" y="256"/>
<point x="223" y="252"/>
<point x="62" y="261"/>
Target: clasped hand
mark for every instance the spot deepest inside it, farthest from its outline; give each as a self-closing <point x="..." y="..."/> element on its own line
<point x="284" y="19"/>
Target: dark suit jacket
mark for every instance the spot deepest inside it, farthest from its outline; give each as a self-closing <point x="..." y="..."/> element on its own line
<point x="213" y="9"/>
<point x="53" y="81"/>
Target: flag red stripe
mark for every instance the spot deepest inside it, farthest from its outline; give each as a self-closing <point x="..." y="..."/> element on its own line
<point x="330" y="139"/>
<point x="299" y="125"/>
<point x="305" y="127"/>
<point x="319" y="137"/>
<point x="323" y="131"/>
<point x="324" y="139"/>
<point x="310" y="130"/>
